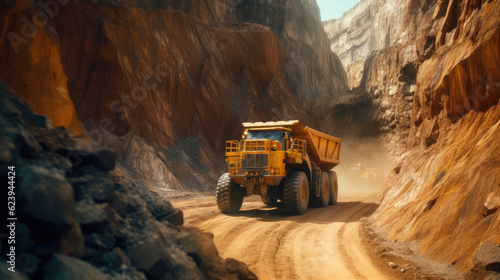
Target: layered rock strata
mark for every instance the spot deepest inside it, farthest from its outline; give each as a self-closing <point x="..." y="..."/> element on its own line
<point x="444" y="191"/>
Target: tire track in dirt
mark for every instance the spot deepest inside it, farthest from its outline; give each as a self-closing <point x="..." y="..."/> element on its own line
<point x="348" y="259"/>
<point x="322" y="244"/>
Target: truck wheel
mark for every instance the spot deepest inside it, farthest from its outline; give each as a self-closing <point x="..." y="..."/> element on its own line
<point x="229" y="199"/>
<point x="324" y="195"/>
<point x="269" y="201"/>
<point x="334" y="187"/>
<point x="296" y="193"/>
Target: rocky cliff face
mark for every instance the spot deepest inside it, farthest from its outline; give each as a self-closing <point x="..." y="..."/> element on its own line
<point x="367" y="28"/>
<point x="434" y="83"/>
<point x="376" y="43"/>
<point x="78" y="221"/>
<point x="26" y="49"/>
<point x="178" y="77"/>
<point x="170" y="70"/>
<point x="193" y="76"/>
<point x="444" y="191"/>
<point x="311" y="69"/>
<point x="312" y="7"/>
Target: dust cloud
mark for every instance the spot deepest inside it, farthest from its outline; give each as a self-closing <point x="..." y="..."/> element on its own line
<point x="364" y="165"/>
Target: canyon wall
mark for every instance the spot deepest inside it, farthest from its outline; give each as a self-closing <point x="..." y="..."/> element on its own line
<point x="445" y="190"/>
<point x="32" y="65"/>
<point x="367" y="28"/>
<point x="312" y="7"/>
<point x="311" y="69"/>
<point x="375" y="41"/>
<point x="170" y="72"/>
<point x="431" y="69"/>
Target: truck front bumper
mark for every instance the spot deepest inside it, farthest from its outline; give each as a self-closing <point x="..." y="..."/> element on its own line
<point x="270" y="180"/>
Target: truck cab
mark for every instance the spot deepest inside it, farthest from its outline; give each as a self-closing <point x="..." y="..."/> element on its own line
<point x="278" y="134"/>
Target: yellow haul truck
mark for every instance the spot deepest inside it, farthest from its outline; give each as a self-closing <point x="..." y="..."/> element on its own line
<point x="280" y="161"/>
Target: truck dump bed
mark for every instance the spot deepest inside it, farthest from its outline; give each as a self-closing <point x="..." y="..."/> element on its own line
<point x="323" y="149"/>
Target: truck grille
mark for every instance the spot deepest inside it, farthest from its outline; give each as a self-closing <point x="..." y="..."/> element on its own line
<point x="254" y="162"/>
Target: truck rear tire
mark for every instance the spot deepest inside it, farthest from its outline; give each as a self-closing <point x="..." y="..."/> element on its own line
<point x="324" y="195"/>
<point x="334" y="187"/>
<point x="296" y="193"/>
<point x="229" y="198"/>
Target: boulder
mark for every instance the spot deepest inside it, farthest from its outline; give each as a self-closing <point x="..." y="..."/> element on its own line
<point x="151" y="257"/>
<point x="6" y="274"/>
<point x="27" y="263"/>
<point x="40" y="120"/>
<point x="72" y="243"/>
<point x="23" y="233"/>
<point x="102" y="240"/>
<point x="491" y="205"/>
<point x="200" y="247"/>
<point x="89" y="186"/>
<point x="123" y="257"/>
<point x="197" y="244"/>
<point x="239" y="270"/>
<point x="86" y="152"/>
<point x="161" y="210"/>
<point x="91" y="215"/>
<point x="488" y="256"/>
<point x="14" y="126"/>
<point x="45" y="200"/>
<point x="61" y="267"/>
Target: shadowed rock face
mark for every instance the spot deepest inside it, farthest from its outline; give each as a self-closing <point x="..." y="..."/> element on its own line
<point x="168" y="75"/>
<point x="312" y="70"/>
<point x="175" y="79"/>
<point x="117" y="62"/>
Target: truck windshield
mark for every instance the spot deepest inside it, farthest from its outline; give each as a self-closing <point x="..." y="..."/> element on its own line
<point x="272" y="135"/>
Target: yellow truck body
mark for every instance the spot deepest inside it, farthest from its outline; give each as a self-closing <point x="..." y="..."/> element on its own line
<point x="272" y="159"/>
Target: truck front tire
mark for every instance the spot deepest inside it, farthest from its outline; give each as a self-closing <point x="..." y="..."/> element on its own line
<point x="334" y="187"/>
<point x="296" y="193"/>
<point x="229" y="198"/>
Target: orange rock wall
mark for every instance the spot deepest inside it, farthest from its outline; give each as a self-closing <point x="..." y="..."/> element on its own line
<point x="32" y="65"/>
<point x="445" y="190"/>
<point x="173" y="77"/>
<point x="161" y="73"/>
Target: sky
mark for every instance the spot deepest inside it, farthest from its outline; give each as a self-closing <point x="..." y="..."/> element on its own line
<point x="333" y="9"/>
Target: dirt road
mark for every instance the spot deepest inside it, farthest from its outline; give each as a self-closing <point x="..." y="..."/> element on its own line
<point x="322" y="244"/>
